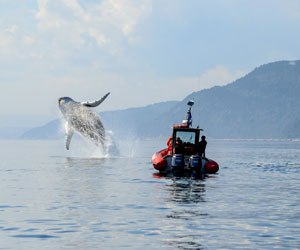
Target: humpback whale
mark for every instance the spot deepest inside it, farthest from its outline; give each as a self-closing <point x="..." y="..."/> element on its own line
<point x="79" y="117"/>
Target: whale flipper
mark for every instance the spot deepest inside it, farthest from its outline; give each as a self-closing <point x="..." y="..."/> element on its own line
<point x="95" y="103"/>
<point x="69" y="134"/>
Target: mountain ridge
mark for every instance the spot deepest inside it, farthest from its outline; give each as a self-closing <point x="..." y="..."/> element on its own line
<point x="264" y="103"/>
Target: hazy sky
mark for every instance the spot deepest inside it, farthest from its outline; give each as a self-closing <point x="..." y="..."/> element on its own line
<point x="142" y="51"/>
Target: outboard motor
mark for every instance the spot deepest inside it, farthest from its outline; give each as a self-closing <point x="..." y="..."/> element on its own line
<point x="178" y="162"/>
<point x="196" y="166"/>
<point x="195" y="161"/>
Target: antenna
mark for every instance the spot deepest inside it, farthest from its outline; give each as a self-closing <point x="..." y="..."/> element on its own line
<point x="188" y="119"/>
<point x="190" y="103"/>
<point x="198" y="111"/>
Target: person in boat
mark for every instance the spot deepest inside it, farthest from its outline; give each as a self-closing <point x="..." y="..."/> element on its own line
<point x="169" y="143"/>
<point x="178" y="146"/>
<point x="202" y="146"/>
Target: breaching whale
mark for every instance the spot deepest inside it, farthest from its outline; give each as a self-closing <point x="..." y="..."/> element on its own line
<point x="78" y="116"/>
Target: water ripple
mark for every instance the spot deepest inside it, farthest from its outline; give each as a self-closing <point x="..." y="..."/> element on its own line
<point x="88" y="203"/>
<point x="39" y="236"/>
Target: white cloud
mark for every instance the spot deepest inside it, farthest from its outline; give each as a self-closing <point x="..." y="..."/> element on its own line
<point x="28" y="40"/>
<point x="179" y="88"/>
<point x="220" y="75"/>
<point x="12" y="29"/>
<point x="7" y="37"/>
<point x="83" y="48"/>
<point x="107" y="21"/>
<point x="125" y="14"/>
<point x="5" y="40"/>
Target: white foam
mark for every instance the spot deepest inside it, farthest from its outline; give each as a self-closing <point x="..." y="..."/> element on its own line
<point x="82" y="147"/>
<point x="292" y="63"/>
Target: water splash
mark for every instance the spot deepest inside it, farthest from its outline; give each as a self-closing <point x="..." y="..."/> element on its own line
<point x="82" y="147"/>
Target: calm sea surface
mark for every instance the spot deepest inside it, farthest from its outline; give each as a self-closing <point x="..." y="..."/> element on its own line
<point x="57" y="199"/>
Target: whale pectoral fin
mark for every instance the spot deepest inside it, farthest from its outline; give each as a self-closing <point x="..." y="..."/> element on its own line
<point x="68" y="139"/>
<point x="95" y="103"/>
<point x="69" y="134"/>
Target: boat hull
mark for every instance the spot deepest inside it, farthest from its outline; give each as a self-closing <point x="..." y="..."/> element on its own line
<point x="162" y="161"/>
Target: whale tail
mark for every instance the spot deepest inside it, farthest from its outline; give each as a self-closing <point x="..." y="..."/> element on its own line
<point x="95" y="103"/>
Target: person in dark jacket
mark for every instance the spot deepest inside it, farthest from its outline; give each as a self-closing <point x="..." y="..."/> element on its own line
<point x="178" y="146"/>
<point x="202" y="146"/>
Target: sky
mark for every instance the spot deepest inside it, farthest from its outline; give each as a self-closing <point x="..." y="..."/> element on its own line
<point x="142" y="51"/>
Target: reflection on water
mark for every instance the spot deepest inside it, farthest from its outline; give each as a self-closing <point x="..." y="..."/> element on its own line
<point x="186" y="191"/>
<point x="185" y="197"/>
<point x="84" y="162"/>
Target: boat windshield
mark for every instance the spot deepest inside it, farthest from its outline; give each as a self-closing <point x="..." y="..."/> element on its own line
<point x="186" y="136"/>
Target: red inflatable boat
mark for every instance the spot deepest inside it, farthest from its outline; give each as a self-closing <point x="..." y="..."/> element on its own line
<point x="183" y="153"/>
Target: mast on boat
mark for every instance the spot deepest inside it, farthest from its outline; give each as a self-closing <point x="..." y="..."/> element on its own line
<point x="188" y="119"/>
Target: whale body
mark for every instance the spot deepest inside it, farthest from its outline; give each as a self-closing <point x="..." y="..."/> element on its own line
<point x="79" y="117"/>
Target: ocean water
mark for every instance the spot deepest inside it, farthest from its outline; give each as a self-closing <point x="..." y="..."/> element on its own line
<point x="57" y="199"/>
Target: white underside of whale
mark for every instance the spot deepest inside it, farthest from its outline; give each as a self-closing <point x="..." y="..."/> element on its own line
<point x="69" y="133"/>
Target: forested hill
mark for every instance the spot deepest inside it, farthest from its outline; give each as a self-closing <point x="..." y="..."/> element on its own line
<point x="263" y="104"/>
